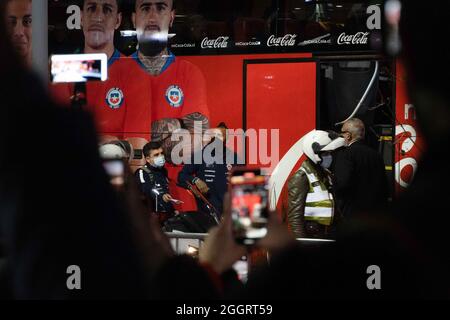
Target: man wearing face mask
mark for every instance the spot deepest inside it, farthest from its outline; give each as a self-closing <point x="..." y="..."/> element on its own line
<point x="153" y="181"/>
<point x="311" y="207"/>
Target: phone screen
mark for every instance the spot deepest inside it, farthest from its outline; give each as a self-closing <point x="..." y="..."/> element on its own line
<point x="393" y="12"/>
<point x="68" y="68"/>
<point x="249" y="205"/>
<point x="116" y="171"/>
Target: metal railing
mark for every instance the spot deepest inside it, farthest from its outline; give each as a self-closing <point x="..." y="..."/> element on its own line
<point x="184" y="243"/>
<point x="190" y="243"/>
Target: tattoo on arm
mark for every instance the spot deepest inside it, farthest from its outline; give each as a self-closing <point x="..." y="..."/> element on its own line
<point x="190" y="120"/>
<point x="163" y="128"/>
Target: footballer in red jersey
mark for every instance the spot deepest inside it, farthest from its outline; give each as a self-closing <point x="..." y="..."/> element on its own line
<point x="171" y="88"/>
<point x="143" y="90"/>
<point x="177" y="87"/>
<point x="107" y="101"/>
<point x="176" y="93"/>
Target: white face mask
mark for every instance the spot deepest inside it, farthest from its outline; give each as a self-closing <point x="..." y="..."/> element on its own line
<point x="326" y="161"/>
<point x="159" y="162"/>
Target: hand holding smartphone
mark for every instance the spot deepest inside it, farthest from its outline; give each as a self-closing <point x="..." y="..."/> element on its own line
<point x="249" y="205"/>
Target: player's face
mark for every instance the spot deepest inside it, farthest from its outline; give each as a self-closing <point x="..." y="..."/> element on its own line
<point x="153" y="18"/>
<point x="153" y="155"/>
<point x="100" y="18"/>
<point x="18" y="15"/>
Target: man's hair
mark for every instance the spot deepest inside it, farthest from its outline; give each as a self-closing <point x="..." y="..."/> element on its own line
<point x="133" y="4"/>
<point x="357" y="128"/>
<point x="151" y="146"/>
<point x="119" y="4"/>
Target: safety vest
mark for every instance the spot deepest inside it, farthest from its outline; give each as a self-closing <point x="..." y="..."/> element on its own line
<point x="319" y="205"/>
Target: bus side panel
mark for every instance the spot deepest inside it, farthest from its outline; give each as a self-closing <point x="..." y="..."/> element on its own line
<point x="409" y="142"/>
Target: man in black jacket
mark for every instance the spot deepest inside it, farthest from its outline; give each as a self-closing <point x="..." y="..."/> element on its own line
<point x="210" y="175"/>
<point x="359" y="182"/>
<point x="152" y="178"/>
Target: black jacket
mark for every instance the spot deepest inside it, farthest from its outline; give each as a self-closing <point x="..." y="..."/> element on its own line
<point x="409" y="243"/>
<point x="359" y="182"/>
<point x="151" y="179"/>
<point x="214" y="174"/>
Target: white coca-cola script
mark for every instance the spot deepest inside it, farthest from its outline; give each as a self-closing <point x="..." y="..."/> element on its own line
<point x="218" y="43"/>
<point x="358" y="38"/>
<point x="286" y="41"/>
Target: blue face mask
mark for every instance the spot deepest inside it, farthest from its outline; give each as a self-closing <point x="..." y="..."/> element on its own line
<point x="159" y="162"/>
<point x="326" y="161"/>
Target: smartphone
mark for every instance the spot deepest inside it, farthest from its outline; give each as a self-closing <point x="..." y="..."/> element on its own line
<point x="249" y="193"/>
<point x="116" y="171"/>
<point x="66" y="68"/>
<point x="392" y="15"/>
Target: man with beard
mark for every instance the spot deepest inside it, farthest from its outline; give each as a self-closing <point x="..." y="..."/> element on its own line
<point x="170" y="88"/>
<point x="105" y="100"/>
<point x="167" y="93"/>
<point x="19" y="19"/>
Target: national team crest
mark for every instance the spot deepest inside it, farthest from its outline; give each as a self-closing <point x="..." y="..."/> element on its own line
<point x="114" y="98"/>
<point x="175" y="96"/>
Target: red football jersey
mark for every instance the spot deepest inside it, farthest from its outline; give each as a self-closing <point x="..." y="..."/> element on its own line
<point x="178" y="192"/>
<point x="179" y="90"/>
<point x="107" y="100"/>
<point x="125" y="105"/>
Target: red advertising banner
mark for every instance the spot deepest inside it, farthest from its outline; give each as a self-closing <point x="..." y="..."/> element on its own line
<point x="409" y="143"/>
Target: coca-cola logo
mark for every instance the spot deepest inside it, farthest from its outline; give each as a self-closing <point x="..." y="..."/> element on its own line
<point x="286" y="41"/>
<point x="358" y="38"/>
<point x="218" y="43"/>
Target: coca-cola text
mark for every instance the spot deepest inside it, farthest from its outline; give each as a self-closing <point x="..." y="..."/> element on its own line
<point x="218" y="43"/>
<point x="358" y="38"/>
